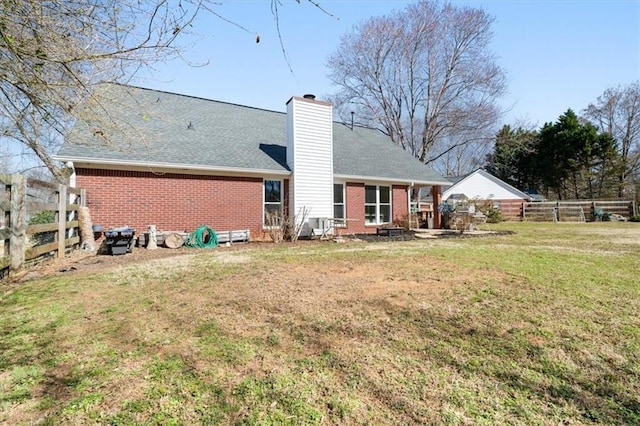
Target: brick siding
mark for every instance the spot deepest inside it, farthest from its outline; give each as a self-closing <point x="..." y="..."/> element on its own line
<point x="354" y="204"/>
<point x="355" y="207"/>
<point x="173" y="202"/>
<point x="399" y="204"/>
<point x="180" y="202"/>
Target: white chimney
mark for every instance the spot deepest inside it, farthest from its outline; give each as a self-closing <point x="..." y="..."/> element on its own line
<point x="310" y="158"/>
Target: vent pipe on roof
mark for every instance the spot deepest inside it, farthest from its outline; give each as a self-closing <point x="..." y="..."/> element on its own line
<point x="309" y="96"/>
<point x="352" y="120"/>
<point x="190" y="126"/>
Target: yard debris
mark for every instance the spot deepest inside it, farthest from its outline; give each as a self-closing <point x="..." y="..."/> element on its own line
<point x="152" y="243"/>
<point x="86" y="229"/>
<point x="174" y="240"/>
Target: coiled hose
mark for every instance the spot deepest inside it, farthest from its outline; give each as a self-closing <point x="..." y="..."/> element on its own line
<point x="198" y="238"/>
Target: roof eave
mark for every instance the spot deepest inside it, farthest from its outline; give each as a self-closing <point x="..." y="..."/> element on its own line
<point x="174" y="167"/>
<point x="360" y="178"/>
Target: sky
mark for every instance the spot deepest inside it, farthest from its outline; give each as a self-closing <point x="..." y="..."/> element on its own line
<point x="557" y="54"/>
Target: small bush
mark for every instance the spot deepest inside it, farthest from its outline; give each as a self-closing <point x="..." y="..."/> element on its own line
<point x="635" y="218"/>
<point x="402" y="222"/>
<point x="494" y="215"/>
<point x="489" y="209"/>
<point x="42" y="217"/>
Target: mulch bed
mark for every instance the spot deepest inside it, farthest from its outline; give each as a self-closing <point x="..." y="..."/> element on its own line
<point x="411" y="235"/>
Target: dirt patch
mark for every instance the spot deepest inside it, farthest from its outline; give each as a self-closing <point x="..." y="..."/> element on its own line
<point x="80" y="261"/>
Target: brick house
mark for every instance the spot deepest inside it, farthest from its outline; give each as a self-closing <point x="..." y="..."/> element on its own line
<point x="151" y="157"/>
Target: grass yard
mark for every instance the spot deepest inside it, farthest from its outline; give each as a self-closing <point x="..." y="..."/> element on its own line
<point x="539" y="327"/>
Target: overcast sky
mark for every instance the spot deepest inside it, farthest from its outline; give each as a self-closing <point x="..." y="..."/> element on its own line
<point x="557" y="54"/>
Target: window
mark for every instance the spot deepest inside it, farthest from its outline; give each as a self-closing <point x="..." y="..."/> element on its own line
<point x="338" y="201"/>
<point x="272" y="202"/>
<point x="377" y="204"/>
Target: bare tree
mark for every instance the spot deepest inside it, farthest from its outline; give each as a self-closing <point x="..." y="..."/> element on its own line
<point x="617" y="112"/>
<point x="424" y="75"/>
<point x="463" y="158"/>
<point x="53" y="53"/>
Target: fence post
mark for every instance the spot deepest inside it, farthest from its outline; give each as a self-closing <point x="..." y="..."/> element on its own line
<point x="18" y="224"/>
<point x="62" y="219"/>
<point x="523" y="211"/>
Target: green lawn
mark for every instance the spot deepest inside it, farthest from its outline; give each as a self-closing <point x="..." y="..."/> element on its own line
<point x="538" y="327"/>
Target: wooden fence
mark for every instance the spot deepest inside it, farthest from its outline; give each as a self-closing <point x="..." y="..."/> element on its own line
<point x="20" y="199"/>
<point x="576" y="211"/>
<point x="511" y="209"/>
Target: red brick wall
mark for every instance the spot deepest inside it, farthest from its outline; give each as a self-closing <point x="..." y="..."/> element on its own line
<point x="178" y="202"/>
<point x="355" y="207"/>
<point x="173" y="202"/>
<point x="399" y="202"/>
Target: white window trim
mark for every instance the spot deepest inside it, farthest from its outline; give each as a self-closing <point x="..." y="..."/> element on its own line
<point x="377" y="204"/>
<point x="342" y="224"/>
<point x="264" y="201"/>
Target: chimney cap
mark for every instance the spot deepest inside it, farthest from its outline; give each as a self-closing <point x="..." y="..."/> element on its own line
<point x="309" y="96"/>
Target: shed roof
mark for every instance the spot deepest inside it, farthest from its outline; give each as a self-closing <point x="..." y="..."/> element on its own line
<point x="471" y="180"/>
<point x="132" y="126"/>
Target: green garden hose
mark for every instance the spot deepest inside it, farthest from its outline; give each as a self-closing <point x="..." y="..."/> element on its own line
<point x="197" y="238"/>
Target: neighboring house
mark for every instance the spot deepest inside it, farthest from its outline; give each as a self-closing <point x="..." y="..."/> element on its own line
<point x="481" y="185"/>
<point x="178" y="162"/>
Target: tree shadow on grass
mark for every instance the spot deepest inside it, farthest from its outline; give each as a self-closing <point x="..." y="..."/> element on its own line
<point x="601" y="393"/>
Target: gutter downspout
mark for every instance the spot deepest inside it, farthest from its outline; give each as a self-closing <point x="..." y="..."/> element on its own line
<point x="409" y="192"/>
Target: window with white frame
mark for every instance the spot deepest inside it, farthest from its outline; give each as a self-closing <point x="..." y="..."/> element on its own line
<point x="338" y="201"/>
<point x="272" y="202"/>
<point x="377" y="204"/>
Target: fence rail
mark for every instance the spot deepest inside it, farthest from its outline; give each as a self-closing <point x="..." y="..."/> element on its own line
<point x="576" y="211"/>
<point x="20" y="199"/>
<point x="511" y="210"/>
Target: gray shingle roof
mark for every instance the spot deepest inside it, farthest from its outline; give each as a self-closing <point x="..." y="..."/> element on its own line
<point x="137" y="126"/>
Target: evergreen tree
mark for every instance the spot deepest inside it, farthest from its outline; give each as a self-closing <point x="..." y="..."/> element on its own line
<point x="512" y="159"/>
<point x="573" y="160"/>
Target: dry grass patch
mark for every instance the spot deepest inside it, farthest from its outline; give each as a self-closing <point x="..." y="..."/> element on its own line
<point x="461" y="331"/>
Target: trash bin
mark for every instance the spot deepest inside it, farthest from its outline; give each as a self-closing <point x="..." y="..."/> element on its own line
<point x="119" y="240"/>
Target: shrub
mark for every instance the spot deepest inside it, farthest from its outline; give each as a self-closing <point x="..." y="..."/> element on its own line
<point x="494" y="215"/>
<point x="40" y="218"/>
<point x="489" y="209"/>
<point x="445" y="208"/>
<point x="402" y="222"/>
<point x="635" y="218"/>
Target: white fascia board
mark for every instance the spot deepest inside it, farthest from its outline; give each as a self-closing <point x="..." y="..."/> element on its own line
<point x="490" y="177"/>
<point x="504" y="184"/>
<point x="355" y="178"/>
<point x="169" y="167"/>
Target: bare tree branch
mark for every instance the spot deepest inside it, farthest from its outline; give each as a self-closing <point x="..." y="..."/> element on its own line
<point x="425" y="76"/>
<point x="617" y="112"/>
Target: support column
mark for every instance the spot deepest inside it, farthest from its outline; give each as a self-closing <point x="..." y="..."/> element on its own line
<point x="436" y="195"/>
